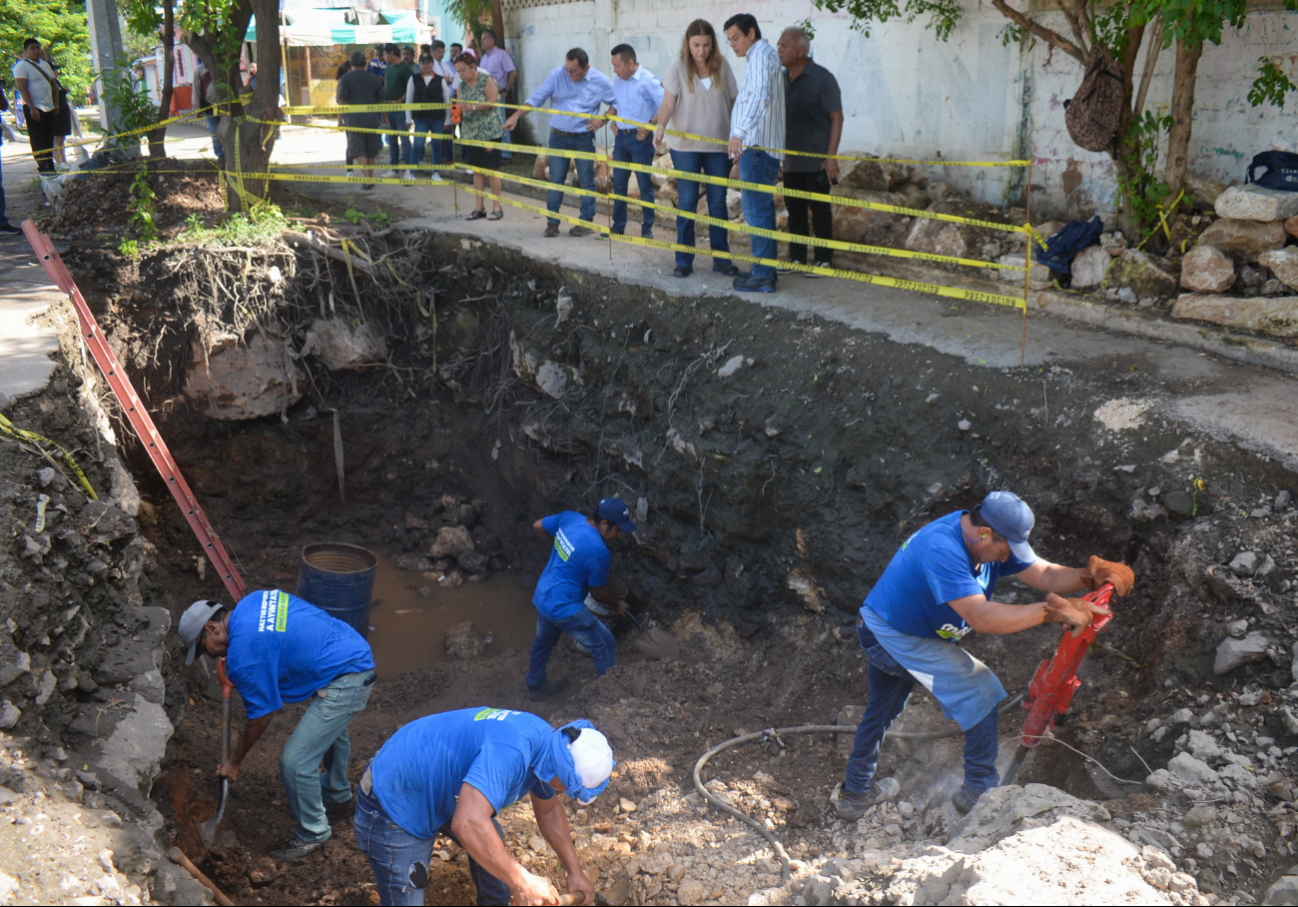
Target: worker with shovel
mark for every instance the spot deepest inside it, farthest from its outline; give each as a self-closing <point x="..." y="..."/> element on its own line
<point x="579" y="562"/>
<point x="933" y="592"/>
<point x="451" y="774"/>
<point x="281" y="649"/>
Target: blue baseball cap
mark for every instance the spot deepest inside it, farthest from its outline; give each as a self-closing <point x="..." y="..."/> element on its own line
<point x="1009" y="515"/>
<point x="615" y="511"/>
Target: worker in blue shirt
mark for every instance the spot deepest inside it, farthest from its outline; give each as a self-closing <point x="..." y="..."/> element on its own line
<point x="639" y="95"/>
<point x="578" y="565"/>
<point x="934" y="591"/>
<point x="279" y="648"/>
<point x="576" y="87"/>
<point x="451" y="774"/>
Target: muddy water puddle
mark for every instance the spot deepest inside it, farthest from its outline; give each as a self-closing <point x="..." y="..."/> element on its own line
<point x="412" y="614"/>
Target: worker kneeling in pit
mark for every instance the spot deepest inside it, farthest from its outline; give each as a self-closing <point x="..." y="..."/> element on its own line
<point x="279" y="648"/>
<point x="934" y="591"/>
<point x="450" y="774"/>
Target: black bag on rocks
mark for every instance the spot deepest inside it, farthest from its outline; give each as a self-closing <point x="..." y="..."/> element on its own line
<point x="1093" y="114"/>
<point x="1063" y="246"/>
<point x="1281" y="170"/>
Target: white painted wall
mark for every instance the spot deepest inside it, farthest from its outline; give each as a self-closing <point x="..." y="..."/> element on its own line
<point x="972" y="98"/>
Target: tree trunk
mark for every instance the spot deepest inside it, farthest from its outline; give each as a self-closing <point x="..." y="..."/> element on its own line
<point x="498" y="23"/>
<point x="1178" y="140"/>
<point x="158" y="137"/>
<point x="1121" y="150"/>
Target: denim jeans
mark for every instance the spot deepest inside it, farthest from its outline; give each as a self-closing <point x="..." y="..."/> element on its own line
<point x="433" y="127"/>
<point x="626" y="147"/>
<point x="711" y="163"/>
<point x="559" y="172"/>
<point x="584" y="627"/>
<point x="398" y="145"/>
<point x="759" y="207"/>
<point x="505" y="154"/>
<point x="890" y="686"/>
<point x="321" y="738"/>
<point x="4" y="221"/>
<point x="212" y="124"/>
<point x="400" y="860"/>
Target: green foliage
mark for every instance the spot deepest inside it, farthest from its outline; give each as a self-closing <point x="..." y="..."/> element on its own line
<point x="59" y="25"/>
<point x="471" y="11"/>
<point x="125" y="94"/>
<point x="141" y="207"/>
<point x="1271" y="85"/>
<point x="1142" y="191"/>
<point x="807" y="27"/>
<point x="378" y="217"/>
<point x="129" y="247"/>
<point x="262" y="224"/>
<point x="943" y="15"/>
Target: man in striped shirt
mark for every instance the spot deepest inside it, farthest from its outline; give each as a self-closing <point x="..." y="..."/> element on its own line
<point x="757" y="123"/>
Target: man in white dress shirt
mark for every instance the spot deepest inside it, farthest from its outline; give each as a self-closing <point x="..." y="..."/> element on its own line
<point x="638" y="93"/>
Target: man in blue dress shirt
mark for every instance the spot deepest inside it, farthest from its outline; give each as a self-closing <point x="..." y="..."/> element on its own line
<point x="639" y="94"/>
<point x="579" y="88"/>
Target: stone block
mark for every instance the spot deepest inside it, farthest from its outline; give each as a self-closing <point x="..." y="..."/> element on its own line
<point x="451" y="541"/>
<point x="1275" y="315"/>
<point x="939" y="237"/>
<point x="1244" y="238"/>
<point x="1142" y="275"/>
<point x="1233" y="653"/>
<point x="1255" y="203"/>
<point x="1039" y="278"/>
<point x="231" y="381"/>
<point x="1283" y="263"/>
<point x="464" y="641"/>
<point x="343" y="346"/>
<point x="866" y="225"/>
<point x="1089" y="267"/>
<point x="1207" y="269"/>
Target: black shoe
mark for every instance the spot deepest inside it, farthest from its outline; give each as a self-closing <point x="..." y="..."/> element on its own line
<point x="580" y="231"/>
<point x="683" y="271"/>
<point x="747" y="283"/>
<point x="728" y="268"/>
<point x="853" y="806"/>
<point x="551" y="229"/>
<point x="618" y="232"/>
<point x="547" y="689"/>
<point x="295" y="849"/>
<point x="9" y="230"/>
<point x="964" y="799"/>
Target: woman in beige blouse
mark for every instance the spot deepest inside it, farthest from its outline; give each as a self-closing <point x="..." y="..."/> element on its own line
<point x="699" y="91"/>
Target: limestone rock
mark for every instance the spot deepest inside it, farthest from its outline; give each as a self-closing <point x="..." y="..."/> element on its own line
<point x="1284" y="891"/>
<point x="9" y="714"/>
<point x="1139" y="272"/>
<point x="1039" y="278"/>
<point x="1283" y="263"/>
<point x="233" y="381"/>
<point x="1244" y="564"/>
<point x="473" y="562"/>
<point x="132" y="739"/>
<point x="1204" y="189"/>
<point x="1244" y="238"/>
<point x="1186" y="771"/>
<point x="343" y="346"/>
<point x="939" y="237"/>
<point x="463" y="641"/>
<point x="1207" y="269"/>
<point x="1291" y="226"/>
<point x="1233" y="653"/>
<point x="1089" y="267"/>
<point x="1000" y="811"/>
<point x="878" y="176"/>
<point x="865" y="225"/>
<point x="549" y="377"/>
<point x="451" y="541"/>
<point x="1275" y="315"/>
<point x="1255" y="203"/>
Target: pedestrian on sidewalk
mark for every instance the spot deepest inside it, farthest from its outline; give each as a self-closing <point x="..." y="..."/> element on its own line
<point x="6" y="228"/>
<point x="497" y="61"/>
<point x="427" y="87"/>
<point x="378" y="61"/>
<point x="480" y="121"/>
<point x="62" y="119"/>
<point x="38" y="87"/>
<point x="207" y="95"/>
<point x="361" y="86"/>
<point x="699" y="91"/>
<point x="450" y="774"/>
<point x="935" y="590"/>
<point x="578" y="566"/>
<point x="757" y="124"/>
<point x="575" y="87"/>
<point x="639" y="94"/>
<point x="280" y="649"/>
<point x="396" y="76"/>
<point x="814" y="123"/>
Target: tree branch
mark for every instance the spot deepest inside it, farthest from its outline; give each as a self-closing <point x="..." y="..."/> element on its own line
<point x="1075" y="23"/>
<point x="1151" y="60"/>
<point x="1045" y="34"/>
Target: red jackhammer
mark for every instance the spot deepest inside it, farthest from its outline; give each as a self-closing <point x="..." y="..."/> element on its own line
<point x="1055" y="682"/>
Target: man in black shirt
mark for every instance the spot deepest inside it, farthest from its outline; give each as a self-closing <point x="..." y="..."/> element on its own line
<point x="361" y="87"/>
<point x="814" y="121"/>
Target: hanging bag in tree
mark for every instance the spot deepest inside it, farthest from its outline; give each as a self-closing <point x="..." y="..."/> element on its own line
<point x="1093" y="114"/>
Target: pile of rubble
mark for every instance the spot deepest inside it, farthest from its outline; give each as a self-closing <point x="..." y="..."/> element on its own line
<point x="452" y="547"/>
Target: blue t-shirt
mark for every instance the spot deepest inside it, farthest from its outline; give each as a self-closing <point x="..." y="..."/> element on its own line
<point x="418" y="773"/>
<point x="578" y="561"/>
<point x="931" y="569"/>
<point x="283" y="649"/>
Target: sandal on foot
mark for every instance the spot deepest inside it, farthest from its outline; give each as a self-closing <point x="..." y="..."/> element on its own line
<point x="496" y="215"/>
<point x="477" y="215"/>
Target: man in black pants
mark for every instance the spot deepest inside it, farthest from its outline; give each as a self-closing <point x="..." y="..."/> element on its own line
<point x="814" y="117"/>
<point x="38" y="87"/>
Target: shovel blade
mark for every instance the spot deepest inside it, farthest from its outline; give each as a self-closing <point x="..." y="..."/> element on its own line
<point x="658" y="643"/>
<point x="207" y="830"/>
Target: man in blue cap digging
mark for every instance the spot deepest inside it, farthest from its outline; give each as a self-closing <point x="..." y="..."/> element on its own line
<point x="934" y="591"/>
<point x="451" y="774"/>
<point x="579" y="562"/>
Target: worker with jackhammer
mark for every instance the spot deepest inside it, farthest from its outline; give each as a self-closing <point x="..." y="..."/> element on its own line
<point x="451" y="774"/>
<point x="279" y="648"/>
<point x="934" y="591"/>
<point x="579" y="562"/>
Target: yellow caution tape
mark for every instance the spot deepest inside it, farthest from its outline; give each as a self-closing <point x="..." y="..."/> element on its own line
<point x="22" y="434"/>
<point x="358" y="180"/>
<point x="339" y="109"/>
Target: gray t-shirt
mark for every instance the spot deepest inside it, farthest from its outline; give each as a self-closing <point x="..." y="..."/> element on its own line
<point x="809" y="100"/>
<point x="361" y="87"/>
<point x="704" y="110"/>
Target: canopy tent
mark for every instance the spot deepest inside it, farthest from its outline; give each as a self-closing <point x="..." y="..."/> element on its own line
<point x="326" y="27"/>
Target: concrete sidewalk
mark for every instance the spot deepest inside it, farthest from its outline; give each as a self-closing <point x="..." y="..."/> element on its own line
<point x="27" y="342"/>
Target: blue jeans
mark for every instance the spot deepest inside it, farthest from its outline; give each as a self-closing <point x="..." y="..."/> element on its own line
<point x="433" y="127"/>
<point x="504" y="138"/>
<point x="321" y="738"/>
<point x="398" y="145"/>
<point x="4" y="221"/>
<point x="559" y="172"/>
<point x="584" y="627"/>
<point x="890" y="686"/>
<point x="711" y="163"/>
<point x="212" y="123"/>
<point x="400" y="860"/>
<point x="759" y="207"/>
<point x="626" y="147"/>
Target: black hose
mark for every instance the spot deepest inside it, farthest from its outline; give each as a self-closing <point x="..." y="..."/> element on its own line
<point x="801" y="729"/>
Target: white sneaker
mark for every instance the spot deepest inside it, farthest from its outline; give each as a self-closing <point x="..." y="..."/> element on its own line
<point x="410" y="175"/>
<point x="437" y="178"/>
<point x="390" y="174"/>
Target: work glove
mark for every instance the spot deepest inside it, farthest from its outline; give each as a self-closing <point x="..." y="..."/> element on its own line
<point x="1076" y="612"/>
<point x="1099" y="571"/>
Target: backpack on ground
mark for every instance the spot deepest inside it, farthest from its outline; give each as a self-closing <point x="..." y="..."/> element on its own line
<point x="1063" y="246"/>
<point x="1281" y="170"/>
<point x="1093" y="114"/>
